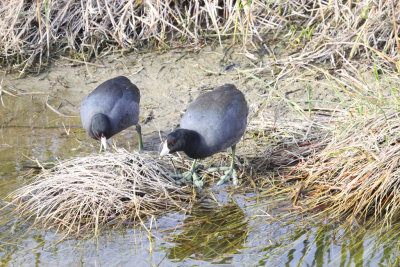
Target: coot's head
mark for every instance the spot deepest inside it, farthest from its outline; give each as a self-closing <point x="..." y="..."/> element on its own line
<point x="176" y="141"/>
<point x="101" y="128"/>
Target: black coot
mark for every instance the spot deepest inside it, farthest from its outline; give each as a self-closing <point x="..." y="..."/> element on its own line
<point x="213" y="122"/>
<point x="112" y="107"/>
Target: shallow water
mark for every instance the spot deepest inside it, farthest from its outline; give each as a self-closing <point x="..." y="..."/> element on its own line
<point x="230" y="231"/>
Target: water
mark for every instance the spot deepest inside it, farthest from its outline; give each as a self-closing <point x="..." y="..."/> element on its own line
<point x="232" y="230"/>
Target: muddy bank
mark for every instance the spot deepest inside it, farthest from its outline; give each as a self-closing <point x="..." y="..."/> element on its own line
<point x="168" y="82"/>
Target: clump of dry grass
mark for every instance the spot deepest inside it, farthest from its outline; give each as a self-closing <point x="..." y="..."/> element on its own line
<point x="312" y="30"/>
<point x="357" y="175"/>
<point x="82" y="194"/>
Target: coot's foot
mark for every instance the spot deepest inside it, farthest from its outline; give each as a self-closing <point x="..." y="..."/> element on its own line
<point x="231" y="172"/>
<point x="228" y="173"/>
<point x="189" y="175"/>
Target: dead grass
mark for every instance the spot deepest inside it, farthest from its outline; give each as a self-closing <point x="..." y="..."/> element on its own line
<point x="355" y="177"/>
<point x="313" y="31"/>
<point x="81" y="195"/>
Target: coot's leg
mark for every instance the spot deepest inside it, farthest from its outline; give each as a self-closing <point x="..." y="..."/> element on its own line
<point x="228" y="171"/>
<point x="190" y="175"/>
<point x="139" y="131"/>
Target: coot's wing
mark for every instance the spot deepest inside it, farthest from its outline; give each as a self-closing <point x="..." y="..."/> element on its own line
<point x="125" y="112"/>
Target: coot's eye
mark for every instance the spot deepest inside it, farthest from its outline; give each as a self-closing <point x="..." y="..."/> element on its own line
<point x="97" y="134"/>
<point x="172" y="143"/>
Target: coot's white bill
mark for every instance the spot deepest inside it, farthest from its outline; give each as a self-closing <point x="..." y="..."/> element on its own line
<point x="165" y="149"/>
<point x="104" y="142"/>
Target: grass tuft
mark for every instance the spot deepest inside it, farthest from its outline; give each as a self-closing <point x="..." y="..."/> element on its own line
<point x="357" y="175"/>
<point x="84" y="194"/>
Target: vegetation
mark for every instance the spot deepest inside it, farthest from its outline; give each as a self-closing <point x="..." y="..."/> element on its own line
<point x="355" y="176"/>
<point x="32" y="32"/>
<point x="342" y="159"/>
<point x="81" y="195"/>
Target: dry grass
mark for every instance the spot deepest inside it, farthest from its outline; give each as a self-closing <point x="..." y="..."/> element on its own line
<point x="82" y="194"/>
<point x="287" y="142"/>
<point x="357" y="175"/>
<point x="313" y="31"/>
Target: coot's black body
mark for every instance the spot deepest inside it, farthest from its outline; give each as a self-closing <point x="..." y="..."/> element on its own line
<point x="218" y="117"/>
<point x="213" y="122"/>
<point x="112" y="107"/>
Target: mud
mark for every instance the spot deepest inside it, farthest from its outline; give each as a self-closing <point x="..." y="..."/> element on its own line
<point x="168" y="82"/>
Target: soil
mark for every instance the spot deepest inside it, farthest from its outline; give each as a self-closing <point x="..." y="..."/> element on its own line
<point x="168" y="82"/>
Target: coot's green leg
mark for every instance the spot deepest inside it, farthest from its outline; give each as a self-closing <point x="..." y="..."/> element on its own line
<point x="139" y="131"/>
<point x="228" y="171"/>
<point x="191" y="174"/>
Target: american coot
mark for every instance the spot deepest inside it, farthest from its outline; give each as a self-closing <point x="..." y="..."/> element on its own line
<point x="112" y="107"/>
<point x="213" y="122"/>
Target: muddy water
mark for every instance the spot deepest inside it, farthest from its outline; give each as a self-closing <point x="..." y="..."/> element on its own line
<point x="39" y="122"/>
